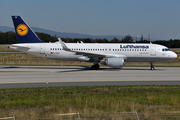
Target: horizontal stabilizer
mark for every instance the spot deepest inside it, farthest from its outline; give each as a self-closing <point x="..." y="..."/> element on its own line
<point x="21" y="48"/>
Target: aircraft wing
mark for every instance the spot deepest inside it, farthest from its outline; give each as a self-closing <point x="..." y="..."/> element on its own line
<point x="95" y="56"/>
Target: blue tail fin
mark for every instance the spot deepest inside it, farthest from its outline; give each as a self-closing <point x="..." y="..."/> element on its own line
<point x="24" y="33"/>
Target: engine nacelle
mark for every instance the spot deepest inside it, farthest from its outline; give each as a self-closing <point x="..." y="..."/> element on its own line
<point x="85" y="59"/>
<point x="115" y="62"/>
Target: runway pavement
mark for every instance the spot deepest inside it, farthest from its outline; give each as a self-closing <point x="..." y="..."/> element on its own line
<point x="49" y="76"/>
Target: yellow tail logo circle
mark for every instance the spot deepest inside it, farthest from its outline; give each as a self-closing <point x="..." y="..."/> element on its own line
<point x="22" y="29"/>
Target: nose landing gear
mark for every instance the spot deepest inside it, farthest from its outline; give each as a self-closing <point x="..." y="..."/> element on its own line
<point x="152" y="66"/>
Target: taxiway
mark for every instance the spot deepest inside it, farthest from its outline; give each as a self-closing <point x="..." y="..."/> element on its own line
<point x="49" y="76"/>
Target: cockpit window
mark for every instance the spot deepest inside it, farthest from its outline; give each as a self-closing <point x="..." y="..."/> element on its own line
<point x="165" y="49"/>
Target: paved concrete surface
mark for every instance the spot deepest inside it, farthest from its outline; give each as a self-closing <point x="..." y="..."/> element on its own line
<point x="37" y="76"/>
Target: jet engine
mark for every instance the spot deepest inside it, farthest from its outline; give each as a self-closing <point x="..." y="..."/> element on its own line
<point x="114" y="62"/>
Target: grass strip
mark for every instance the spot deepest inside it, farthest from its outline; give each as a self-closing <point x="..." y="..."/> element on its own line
<point x="96" y="102"/>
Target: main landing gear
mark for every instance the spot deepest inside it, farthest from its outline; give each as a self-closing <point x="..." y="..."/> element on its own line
<point x="95" y="66"/>
<point x="152" y="67"/>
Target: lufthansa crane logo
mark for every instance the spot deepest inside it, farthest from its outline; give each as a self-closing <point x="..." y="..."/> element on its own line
<point x="22" y="29"/>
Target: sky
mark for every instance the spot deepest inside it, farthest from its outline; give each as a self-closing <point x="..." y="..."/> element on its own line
<point x="159" y="18"/>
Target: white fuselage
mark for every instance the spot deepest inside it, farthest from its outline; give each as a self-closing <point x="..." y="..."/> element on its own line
<point x="130" y="52"/>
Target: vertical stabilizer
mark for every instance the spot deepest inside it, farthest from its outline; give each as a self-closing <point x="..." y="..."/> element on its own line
<point x="24" y="33"/>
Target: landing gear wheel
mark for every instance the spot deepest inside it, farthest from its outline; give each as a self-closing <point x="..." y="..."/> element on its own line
<point x="95" y="67"/>
<point x="152" y="68"/>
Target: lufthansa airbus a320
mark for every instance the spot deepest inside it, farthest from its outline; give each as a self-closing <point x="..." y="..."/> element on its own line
<point x="112" y="55"/>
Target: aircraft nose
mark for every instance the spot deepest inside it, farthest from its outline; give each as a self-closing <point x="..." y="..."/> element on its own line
<point x="173" y="55"/>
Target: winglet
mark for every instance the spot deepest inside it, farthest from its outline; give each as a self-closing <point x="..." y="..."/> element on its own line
<point x="63" y="45"/>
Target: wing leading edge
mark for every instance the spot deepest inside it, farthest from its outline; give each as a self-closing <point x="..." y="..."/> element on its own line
<point x="95" y="56"/>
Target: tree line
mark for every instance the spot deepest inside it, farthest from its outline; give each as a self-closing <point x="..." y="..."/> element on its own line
<point x="10" y="38"/>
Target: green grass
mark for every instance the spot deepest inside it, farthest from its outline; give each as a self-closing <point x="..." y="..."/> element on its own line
<point x="95" y="101"/>
<point x="5" y="48"/>
<point x="175" y="50"/>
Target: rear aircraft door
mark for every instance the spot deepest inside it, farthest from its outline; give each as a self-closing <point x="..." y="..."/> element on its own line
<point x="153" y="50"/>
<point x="42" y="49"/>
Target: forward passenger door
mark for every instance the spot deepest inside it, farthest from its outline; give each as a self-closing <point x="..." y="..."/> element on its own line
<point x="153" y="50"/>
